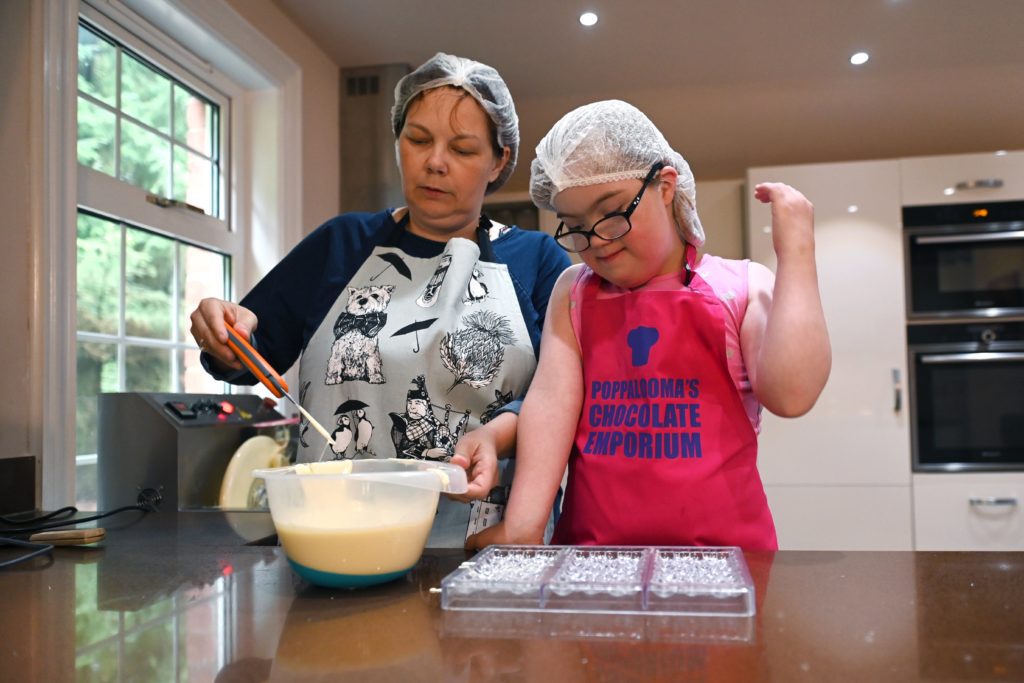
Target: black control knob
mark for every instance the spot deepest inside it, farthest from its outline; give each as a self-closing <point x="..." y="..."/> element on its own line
<point x="205" y="406"/>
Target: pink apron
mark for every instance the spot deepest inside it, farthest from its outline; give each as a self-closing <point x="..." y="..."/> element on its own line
<point x="664" y="453"/>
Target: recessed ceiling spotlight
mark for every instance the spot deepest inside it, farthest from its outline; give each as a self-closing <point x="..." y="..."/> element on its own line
<point x="1001" y="153"/>
<point x="949" y="191"/>
<point x="588" y="18"/>
<point x="852" y="208"/>
<point x="858" y="58"/>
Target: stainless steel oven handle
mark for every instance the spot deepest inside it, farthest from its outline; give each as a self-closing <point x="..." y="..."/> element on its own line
<point x="971" y="357"/>
<point x="972" y="237"/>
<point x="992" y="501"/>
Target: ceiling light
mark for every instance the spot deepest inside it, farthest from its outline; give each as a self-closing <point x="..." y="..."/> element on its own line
<point x="1001" y="153"/>
<point x="949" y="191"/>
<point x="852" y="208"/>
<point x="858" y="58"/>
<point x="588" y="18"/>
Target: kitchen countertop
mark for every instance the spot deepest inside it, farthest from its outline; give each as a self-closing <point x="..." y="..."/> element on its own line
<point x="184" y="596"/>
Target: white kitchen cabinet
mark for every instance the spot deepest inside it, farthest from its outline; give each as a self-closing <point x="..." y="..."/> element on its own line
<point x="832" y="517"/>
<point x="962" y="178"/>
<point x="839" y="477"/>
<point x="976" y="511"/>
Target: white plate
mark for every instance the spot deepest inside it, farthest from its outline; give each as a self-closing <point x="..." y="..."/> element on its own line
<point x="256" y="453"/>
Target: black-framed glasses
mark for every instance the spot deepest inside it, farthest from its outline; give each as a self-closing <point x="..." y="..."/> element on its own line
<point x="611" y="227"/>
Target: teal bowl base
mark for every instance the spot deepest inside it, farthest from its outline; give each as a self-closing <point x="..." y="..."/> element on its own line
<point x="333" y="580"/>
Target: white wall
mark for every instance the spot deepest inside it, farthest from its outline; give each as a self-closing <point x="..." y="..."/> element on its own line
<point x="320" y="77"/>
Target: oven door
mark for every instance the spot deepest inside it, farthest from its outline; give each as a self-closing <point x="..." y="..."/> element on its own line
<point x="966" y="273"/>
<point x="968" y="408"/>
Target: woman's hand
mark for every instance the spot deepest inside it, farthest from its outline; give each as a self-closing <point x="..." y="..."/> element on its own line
<point x="209" y="328"/>
<point x="478" y="452"/>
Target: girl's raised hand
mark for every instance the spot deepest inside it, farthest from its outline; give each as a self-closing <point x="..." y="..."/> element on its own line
<point x="792" y="218"/>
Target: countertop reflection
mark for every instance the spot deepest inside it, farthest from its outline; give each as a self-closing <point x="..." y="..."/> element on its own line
<point x="195" y="597"/>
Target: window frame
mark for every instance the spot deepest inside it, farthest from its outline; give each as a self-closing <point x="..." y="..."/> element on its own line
<point x="265" y="88"/>
<point x="106" y="195"/>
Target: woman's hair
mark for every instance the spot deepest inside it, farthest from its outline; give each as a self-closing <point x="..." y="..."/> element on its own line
<point x="480" y="81"/>
<point x="605" y="142"/>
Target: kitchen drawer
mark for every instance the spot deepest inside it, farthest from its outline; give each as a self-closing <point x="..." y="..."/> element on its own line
<point x="926" y="180"/>
<point x="841" y="517"/>
<point x="979" y="511"/>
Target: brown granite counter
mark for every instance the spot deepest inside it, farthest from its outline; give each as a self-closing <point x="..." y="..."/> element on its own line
<point x="182" y="597"/>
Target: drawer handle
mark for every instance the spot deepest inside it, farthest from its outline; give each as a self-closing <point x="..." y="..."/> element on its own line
<point x="993" y="501"/>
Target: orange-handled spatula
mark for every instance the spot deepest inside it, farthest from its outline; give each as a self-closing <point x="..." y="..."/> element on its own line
<point x="266" y="375"/>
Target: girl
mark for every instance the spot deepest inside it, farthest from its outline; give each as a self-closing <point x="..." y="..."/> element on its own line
<point x="655" y="363"/>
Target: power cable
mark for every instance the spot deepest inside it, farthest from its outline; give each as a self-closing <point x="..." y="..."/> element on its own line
<point x="148" y="501"/>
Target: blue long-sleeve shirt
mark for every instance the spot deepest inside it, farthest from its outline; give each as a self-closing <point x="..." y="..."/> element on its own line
<point x="290" y="302"/>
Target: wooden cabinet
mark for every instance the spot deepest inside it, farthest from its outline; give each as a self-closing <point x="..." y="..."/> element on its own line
<point x="977" y="511"/>
<point x="962" y="178"/>
<point x="839" y="477"/>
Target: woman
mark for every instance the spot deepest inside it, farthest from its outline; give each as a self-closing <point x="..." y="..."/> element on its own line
<point x="419" y="324"/>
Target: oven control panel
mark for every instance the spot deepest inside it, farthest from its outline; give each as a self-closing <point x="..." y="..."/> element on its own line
<point x="973" y="336"/>
<point x="196" y="409"/>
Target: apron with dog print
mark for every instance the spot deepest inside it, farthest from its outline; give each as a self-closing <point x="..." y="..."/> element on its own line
<point x="413" y="354"/>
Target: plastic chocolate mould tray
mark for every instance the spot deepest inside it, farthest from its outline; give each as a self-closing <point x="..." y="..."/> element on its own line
<point x="685" y="581"/>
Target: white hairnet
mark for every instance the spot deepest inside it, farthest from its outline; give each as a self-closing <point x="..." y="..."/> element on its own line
<point x="605" y="142"/>
<point x="482" y="82"/>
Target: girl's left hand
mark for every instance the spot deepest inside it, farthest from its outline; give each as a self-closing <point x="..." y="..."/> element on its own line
<point x="492" y="535"/>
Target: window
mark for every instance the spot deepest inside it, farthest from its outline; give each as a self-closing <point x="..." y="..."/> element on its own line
<point x="221" y="60"/>
<point x="140" y="125"/>
<point x="151" y="231"/>
<point x="135" y="291"/>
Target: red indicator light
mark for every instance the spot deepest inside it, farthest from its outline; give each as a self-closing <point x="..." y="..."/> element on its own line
<point x="227" y="407"/>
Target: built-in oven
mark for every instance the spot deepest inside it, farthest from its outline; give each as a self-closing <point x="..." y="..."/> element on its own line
<point x="967" y="395"/>
<point x="964" y="260"/>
